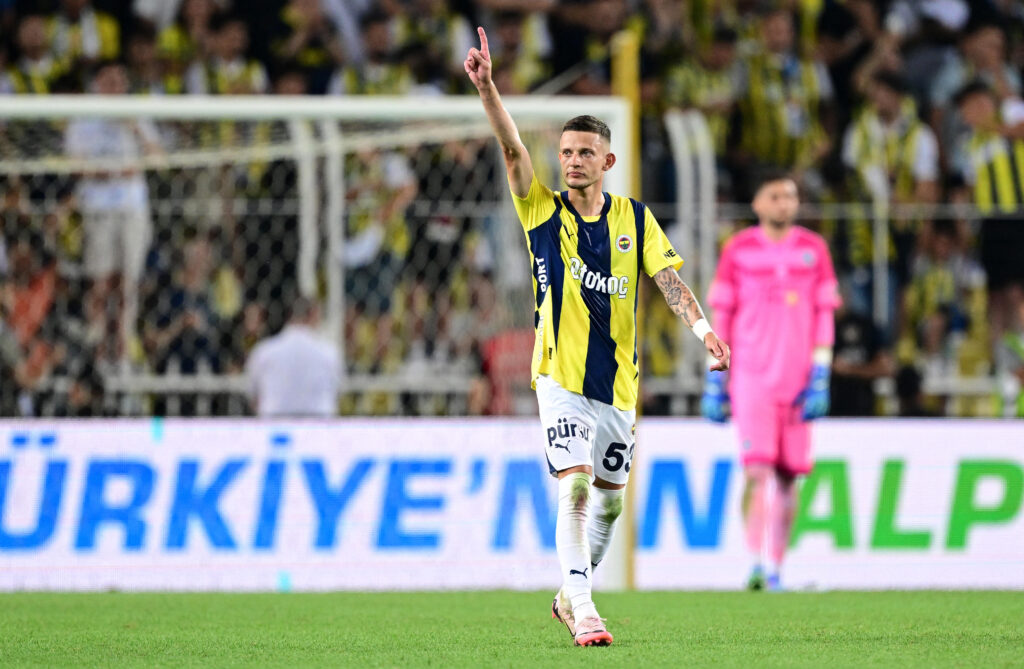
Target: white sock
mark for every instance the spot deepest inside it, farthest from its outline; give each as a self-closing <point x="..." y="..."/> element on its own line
<point x="605" y="509"/>
<point x="572" y="544"/>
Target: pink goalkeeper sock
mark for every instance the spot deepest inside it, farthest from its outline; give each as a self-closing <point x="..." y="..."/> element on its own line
<point x="783" y="509"/>
<point x="754" y="516"/>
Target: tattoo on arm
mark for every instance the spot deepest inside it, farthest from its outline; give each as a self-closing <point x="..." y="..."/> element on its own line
<point x="679" y="296"/>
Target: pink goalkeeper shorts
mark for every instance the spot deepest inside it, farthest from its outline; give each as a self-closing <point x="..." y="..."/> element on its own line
<point x="771" y="433"/>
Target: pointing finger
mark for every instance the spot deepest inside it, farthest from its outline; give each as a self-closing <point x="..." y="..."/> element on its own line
<point x="483" y="43"/>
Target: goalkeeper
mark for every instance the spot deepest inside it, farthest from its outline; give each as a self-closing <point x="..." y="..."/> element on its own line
<point x="774" y="295"/>
<point x="588" y="249"/>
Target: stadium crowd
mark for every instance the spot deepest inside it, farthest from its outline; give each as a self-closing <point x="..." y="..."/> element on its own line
<point x="898" y="103"/>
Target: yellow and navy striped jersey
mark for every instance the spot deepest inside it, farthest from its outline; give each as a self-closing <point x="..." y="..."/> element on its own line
<point x="781" y="115"/>
<point x="94" y="35"/>
<point x="585" y="275"/>
<point x="28" y="77"/>
<point x="997" y="172"/>
<point x="904" y="151"/>
<point x="372" y="79"/>
<point x="690" y="84"/>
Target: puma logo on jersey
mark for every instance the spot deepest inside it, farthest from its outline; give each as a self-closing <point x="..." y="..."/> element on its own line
<point x="565" y="446"/>
<point x="564" y="429"/>
<point x="602" y="283"/>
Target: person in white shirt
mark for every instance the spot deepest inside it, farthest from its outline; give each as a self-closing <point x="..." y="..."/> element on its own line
<point x="296" y="372"/>
<point x="114" y="201"/>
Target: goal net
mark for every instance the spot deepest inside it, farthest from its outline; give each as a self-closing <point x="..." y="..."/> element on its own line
<point x="151" y="242"/>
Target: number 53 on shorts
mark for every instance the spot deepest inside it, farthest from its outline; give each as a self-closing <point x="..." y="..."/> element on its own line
<point x="618" y="456"/>
<point x="581" y="431"/>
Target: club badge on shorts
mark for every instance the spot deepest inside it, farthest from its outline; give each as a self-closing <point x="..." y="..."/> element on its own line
<point x="625" y="243"/>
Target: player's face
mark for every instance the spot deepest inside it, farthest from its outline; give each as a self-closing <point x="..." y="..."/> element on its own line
<point x="886" y="100"/>
<point x="32" y="36"/>
<point x="234" y="39"/>
<point x="777" y="202"/>
<point x="584" y="157"/>
<point x="778" y="33"/>
<point x="978" y="109"/>
<point x="377" y="39"/>
<point x="193" y="10"/>
<point x="111" y="80"/>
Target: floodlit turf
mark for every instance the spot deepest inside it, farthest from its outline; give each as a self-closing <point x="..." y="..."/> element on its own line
<point x="890" y="629"/>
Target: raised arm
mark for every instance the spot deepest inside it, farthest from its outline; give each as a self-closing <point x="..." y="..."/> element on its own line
<point x="517" y="159"/>
<point x="683" y="303"/>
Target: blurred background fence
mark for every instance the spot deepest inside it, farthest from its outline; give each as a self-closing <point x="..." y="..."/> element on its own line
<point x="403" y="229"/>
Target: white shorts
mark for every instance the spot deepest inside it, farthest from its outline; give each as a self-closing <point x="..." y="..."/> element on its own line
<point x="116" y="240"/>
<point x="581" y="431"/>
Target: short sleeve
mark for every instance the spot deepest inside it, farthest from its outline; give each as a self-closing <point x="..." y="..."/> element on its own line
<point x="537" y="207"/>
<point x="658" y="251"/>
<point x="926" y="160"/>
<point x="1012" y="111"/>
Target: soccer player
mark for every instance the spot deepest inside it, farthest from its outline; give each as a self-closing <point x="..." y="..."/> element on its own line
<point x="588" y="248"/>
<point x="774" y="295"/>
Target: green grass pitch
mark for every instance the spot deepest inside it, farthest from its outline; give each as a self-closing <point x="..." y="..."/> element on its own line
<point x="511" y="629"/>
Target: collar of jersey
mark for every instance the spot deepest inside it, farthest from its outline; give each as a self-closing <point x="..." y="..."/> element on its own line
<point x="788" y="239"/>
<point x="579" y="219"/>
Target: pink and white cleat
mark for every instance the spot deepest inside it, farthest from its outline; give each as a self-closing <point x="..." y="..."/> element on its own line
<point x="562" y="612"/>
<point x="591" y="632"/>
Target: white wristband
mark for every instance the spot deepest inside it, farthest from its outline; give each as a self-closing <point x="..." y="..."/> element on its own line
<point x="701" y="328"/>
